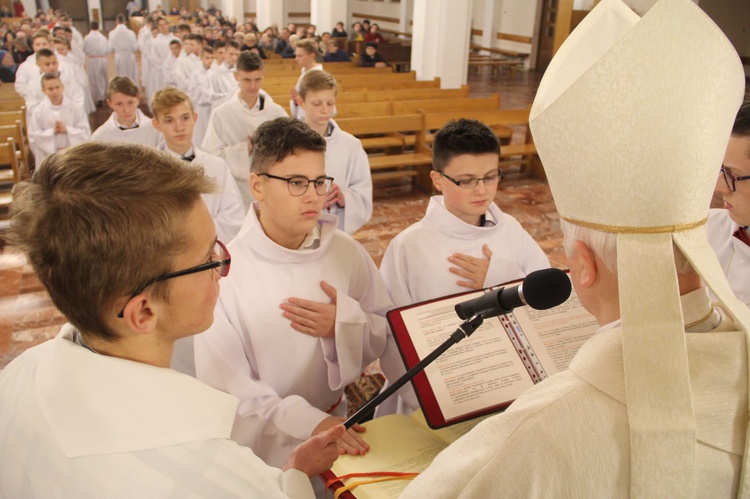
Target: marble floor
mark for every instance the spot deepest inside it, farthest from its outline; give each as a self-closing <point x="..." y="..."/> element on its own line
<point x="28" y="317"/>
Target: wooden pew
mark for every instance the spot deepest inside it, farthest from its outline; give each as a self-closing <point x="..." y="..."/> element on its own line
<point x="391" y="85"/>
<point x="15" y="132"/>
<point x="10" y="175"/>
<point x="364" y="109"/>
<point x="417" y="93"/>
<point x="446" y="105"/>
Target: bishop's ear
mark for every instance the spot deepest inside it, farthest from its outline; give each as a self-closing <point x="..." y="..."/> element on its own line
<point x="584" y="260"/>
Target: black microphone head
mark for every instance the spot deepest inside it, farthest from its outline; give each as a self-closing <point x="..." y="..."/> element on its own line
<point x="546" y="288"/>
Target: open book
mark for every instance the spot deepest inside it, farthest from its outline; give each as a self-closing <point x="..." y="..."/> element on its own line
<point x="397" y="443"/>
<point x="484" y="373"/>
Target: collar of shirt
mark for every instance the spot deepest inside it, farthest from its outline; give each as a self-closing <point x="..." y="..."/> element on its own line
<point x="188" y="153"/>
<point x="312" y="241"/>
<point x="135" y="123"/>
<point x="256" y="106"/>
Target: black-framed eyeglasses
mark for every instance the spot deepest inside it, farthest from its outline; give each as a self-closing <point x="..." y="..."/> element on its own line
<point x="298" y="185"/>
<point x="731" y="180"/>
<point x="221" y="266"/>
<point x="471" y="183"/>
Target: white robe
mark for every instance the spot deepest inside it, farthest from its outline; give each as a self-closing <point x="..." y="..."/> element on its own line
<point x="72" y="89"/>
<point x="96" y="47"/>
<point x="158" y="57"/>
<point x="199" y="91"/>
<point x="184" y="66"/>
<point x="223" y="84"/>
<point x="733" y="254"/>
<point x="123" y="44"/>
<point x="27" y="74"/>
<point x="568" y="436"/>
<point x="78" y="424"/>
<point x="286" y="380"/>
<point x="415" y="269"/>
<point x="227" y="133"/>
<point x="144" y="133"/>
<point x="42" y="138"/>
<point x="78" y="71"/>
<point x="145" y="38"/>
<point x="294" y="109"/>
<point x="347" y="163"/>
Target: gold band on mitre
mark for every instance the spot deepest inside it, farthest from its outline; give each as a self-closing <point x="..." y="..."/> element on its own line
<point x="616" y="229"/>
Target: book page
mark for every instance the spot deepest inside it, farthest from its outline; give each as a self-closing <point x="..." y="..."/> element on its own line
<point x="557" y="334"/>
<point x="479" y="372"/>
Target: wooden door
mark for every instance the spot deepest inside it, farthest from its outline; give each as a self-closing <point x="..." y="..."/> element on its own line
<point x="546" y="34"/>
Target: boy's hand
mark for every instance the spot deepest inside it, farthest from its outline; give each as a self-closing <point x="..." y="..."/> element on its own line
<point x="295" y="96"/>
<point x="472" y="268"/>
<point x="334" y="196"/>
<point x="60" y="127"/>
<point x="317" y="454"/>
<point x="349" y="442"/>
<point x="312" y="317"/>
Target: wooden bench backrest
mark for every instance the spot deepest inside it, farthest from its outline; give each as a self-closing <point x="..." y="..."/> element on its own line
<point x="12" y="105"/>
<point x="447" y="105"/>
<point x="433" y="121"/>
<point x="418" y="93"/>
<point x="363" y="109"/>
<point x="390" y="85"/>
<point x="8" y="158"/>
<point x="374" y="125"/>
<point x="513" y="38"/>
<point x="10" y="117"/>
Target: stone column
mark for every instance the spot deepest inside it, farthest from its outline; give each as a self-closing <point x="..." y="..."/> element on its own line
<point x="324" y="14"/>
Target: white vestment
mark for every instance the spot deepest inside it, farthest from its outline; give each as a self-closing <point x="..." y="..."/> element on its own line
<point x="78" y="424"/>
<point x="123" y="44"/>
<point x="228" y="129"/>
<point x="294" y="109"/>
<point x="734" y="255"/>
<point x="184" y="66"/>
<point x="144" y="133"/>
<point x="27" y="74"/>
<point x="158" y="57"/>
<point x="347" y="163"/>
<point x="415" y="268"/>
<point x="568" y="436"/>
<point x="199" y="91"/>
<point x="72" y="89"/>
<point x="42" y="137"/>
<point x="96" y="47"/>
<point x="223" y="84"/>
<point x="286" y="380"/>
<point x="145" y="38"/>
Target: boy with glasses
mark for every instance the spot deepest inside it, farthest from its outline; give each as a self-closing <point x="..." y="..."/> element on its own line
<point x="122" y="241"/>
<point x="728" y="227"/>
<point x="302" y="314"/>
<point x="464" y="241"/>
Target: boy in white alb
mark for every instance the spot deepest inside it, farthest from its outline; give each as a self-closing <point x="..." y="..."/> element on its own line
<point x="304" y="314"/>
<point x="159" y="53"/>
<point x="350" y="197"/>
<point x="199" y="91"/>
<point x="223" y="81"/>
<point x="56" y="122"/>
<point x="464" y="241"/>
<point x="123" y="44"/>
<point x="306" y="55"/>
<point x="232" y="123"/>
<point x="728" y="228"/>
<point x="96" y="47"/>
<point x="126" y="123"/>
<point x="175" y="49"/>
<point x="27" y="73"/>
<point x="188" y="62"/>
<point x="174" y="118"/>
<point x="47" y="62"/>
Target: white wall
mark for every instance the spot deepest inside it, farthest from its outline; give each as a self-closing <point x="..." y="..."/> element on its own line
<point x="385" y="8"/>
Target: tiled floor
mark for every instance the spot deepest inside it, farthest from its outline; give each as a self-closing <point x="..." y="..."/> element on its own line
<point x="27" y="316"/>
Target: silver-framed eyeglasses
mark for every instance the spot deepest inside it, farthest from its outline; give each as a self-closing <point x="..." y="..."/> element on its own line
<point x="471" y="183"/>
<point x="221" y="265"/>
<point x="731" y="180"/>
<point x="298" y="184"/>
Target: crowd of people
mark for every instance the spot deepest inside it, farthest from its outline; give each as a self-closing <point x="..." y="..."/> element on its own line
<point x="131" y="228"/>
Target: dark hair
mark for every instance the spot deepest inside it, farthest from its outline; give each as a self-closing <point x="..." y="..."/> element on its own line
<point x="122" y="85"/>
<point x="741" y="126"/>
<point x="194" y="36"/>
<point x="183" y="27"/>
<point x="175" y="42"/>
<point x="460" y="137"/>
<point x="94" y="26"/>
<point x="49" y="76"/>
<point x="44" y="53"/>
<point x="249" y="61"/>
<point x="208" y="50"/>
<point x="233" y="44"/>
<point x="120" y="19"/>
<point x="274" y="140"/>
<point x="219" y="44"/>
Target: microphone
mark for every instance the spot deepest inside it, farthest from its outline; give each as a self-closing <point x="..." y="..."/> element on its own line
<point x="540" y="290"/>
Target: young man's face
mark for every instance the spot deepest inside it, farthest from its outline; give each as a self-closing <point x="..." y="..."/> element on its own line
<point x="39" y="43"/>
<point x="207" y="59"/>
<point x="737" y="161"/>
<point x="175" y="49"/>
<point x="288" y="219"/>
<point x="124" y="106"/>
<point x="189" y="46"/>
<point x="231" y="56"/>
<point x="249" y="83"/>
<point x="48" y="64"/>
<point x="318" y="107"/>
<point x="177" y="125"/>
<point x="53" y="89"/>
<point x="302" y="58"/>
<point x="468" y="204"/>
<point x="370" y="51"/>
<point x="61" y="49"/>
<point x="220" y="54"/>
<point x="333" y="47"/>
<point x="163" y="26"/>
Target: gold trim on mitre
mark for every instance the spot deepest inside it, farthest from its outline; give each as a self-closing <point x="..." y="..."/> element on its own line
<point x="615" y="229"/>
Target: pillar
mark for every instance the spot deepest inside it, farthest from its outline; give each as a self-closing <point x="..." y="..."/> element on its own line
<point x="269" y="12"/>
<point x="324" y="14"/>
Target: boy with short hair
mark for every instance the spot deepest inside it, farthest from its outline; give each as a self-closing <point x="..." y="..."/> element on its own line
<point x="223" y="80"/>
<point x="56" y="123"/>
<point x="47" y="62"/>
<point x="350" y="197"/>
<point x="199" y="90"/>
<point x="175" y="49"/>
<point x="126" y="123"/>
<point x="232" y="123"/>
<point x="464" y="241"/>
<point x="188" y="61"/>
<point x="27" y="74"/>
<point x="96" y="48"/>
<point x="123" y="43"/>
<point x="175" y="118"/>
<point x="304" y="314"/>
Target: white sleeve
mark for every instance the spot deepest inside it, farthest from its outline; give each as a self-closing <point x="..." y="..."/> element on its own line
<point x="39" y="137"/>
<point x="80" y="131"/>
<point x="357" y="192"/>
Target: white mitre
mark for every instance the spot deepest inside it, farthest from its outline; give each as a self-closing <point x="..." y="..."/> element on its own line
<point x="631" y="122"/>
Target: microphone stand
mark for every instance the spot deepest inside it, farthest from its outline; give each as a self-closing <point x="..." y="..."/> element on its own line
<point x="464" y="331"/>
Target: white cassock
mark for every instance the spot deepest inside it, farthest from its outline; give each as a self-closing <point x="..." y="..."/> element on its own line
<point x="199" y="91"/>
<point x="228" y="129"/>
<point x="96" y="47"/>
<point x="287" y="381"/>
<point x="733" y="254"/>
<point x="415" y="268"/>
<point x="72" y="90"/>
<point x="27" y="74"/>
<point x="123" y="44"/>
<point x="184" y="66"/>
<point x="225" y="205"/>
<point x="294" y="109"/>
<point x="42" y="137"/>
<point x="86" y="425"/>
<point x="347" y="163"/>
<point x="169" y="69"/>
<point x="223" y="84"/>
<point x="568" y="436"/>
<point x="76" y="45"/>
<point x="142" y="131"/>
<point x="158" y="59"/>
<point x="77" y="70"/>
<point x="145" y="38"/>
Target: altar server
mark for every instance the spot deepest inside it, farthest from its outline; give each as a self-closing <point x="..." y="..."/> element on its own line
<point x="126" y="123"/>
<point x="223" y="80"/>
<point x="306" y="56"/>
<point x="96" y="47"/>
<point x="188" y="62"/>
<point x="48" y="63"/>
<point x="123" y="44"/>
<point x="159" y="53"/>
<point x="27" y="73"/>
<point x="199" y="90"/>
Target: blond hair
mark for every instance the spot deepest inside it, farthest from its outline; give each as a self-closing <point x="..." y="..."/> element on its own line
<point x="315" y="81"/>
<point x="167" y="98"/>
